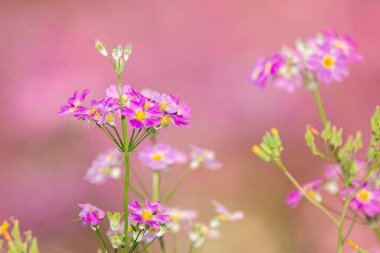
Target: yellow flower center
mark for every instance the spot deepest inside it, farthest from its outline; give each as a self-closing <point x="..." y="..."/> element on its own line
<point x="328" y="61"/>
<point x="146" y="105"/>
<point x="222" y="218"/>
<point x="204" y="230"/>
<point x="268" y="68"/>
<point x="165" y="120"/>
<point x="124" y="99"/>
<point x="140" y="115"/>
<point x="93" y="110"/>
<point x="147" y="215"/>
<point x="176" y="216"/>
<point x="255" y="74"/>
<point x="364" y="196"/>
<point x="110" y="118"/>
<point x="157" y="157"/>
<point x="164" y="105"/>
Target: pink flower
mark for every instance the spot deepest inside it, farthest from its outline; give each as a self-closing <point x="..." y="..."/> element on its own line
<point x="152" y="214"/>
<point x="328" y="63"/>
<point x="158" y="157"/>
<point x="74" y="102"/>
<point x="343" y="43"/>
<point x="366" y="199"/>
<point x="265" y="69"/>
<point x="90" y="214"/>
<point x="311" y="189"/>
<point x="142" y="114"/>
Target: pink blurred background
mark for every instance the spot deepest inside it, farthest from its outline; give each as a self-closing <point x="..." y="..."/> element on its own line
<point x="203" y="51"/>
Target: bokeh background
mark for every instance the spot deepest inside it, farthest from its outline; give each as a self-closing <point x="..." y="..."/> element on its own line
<point x="203" y="51"/>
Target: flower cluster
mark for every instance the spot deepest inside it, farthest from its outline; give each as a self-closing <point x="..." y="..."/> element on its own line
<point x="324" y="58"/>
<point x="200" y="232"/>
<point x="157" y="111"/>
<point x="91" y="214"/>
<point x="105" y="166"/>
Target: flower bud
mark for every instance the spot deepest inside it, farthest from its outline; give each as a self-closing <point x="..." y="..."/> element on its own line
<point x="100" y="47"/>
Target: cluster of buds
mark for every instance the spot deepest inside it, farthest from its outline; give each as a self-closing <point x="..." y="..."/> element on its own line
<point x="119" y="55"/>
<point x="270" y="148"/>
<point x="16" y="241"/>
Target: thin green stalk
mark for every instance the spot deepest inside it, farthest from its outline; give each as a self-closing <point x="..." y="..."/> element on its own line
<point x="137" y="192"/>
<point x="318" y="102"/>
<point x="135" y="243"/>
<point x="352" y="224"/>
<point x="110" y="136"/>
<point x="156" y="186"/>
<point x="162" y="244"/>
<point x="299" y="187"/>
<point x="376" y="230"/>
<point x="146" y="247"/>
<point x="126" y="157"/>
<point x="191" y="248"/>
<point x="102" y="242"/>
<point x="175" y="243"/>
<point x="341" y="222"/>
<point x="177" y="185"/>
<point x="118" y="135"/>
<point x="139" y="180"/>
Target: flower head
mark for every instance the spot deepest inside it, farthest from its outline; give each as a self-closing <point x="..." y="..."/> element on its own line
<point x="311" y="189"/>
<point x="105" y="166"/>
<point x="366" y="199"/>
<point x="199" y="232"/>
<point x="289" y="75"/>
<point x="142" y="114"/>
<point x="265" y="69"/>
<point x="158" y="156"/>
<point x="91" y="214"/>
<point x="224" y="215"/>
<point x="203" y="157"/>
<point x="343" y="43"/>
<point x="151" y="215"/>
<point x="74" y="102"/>
<point x="180" y="216"/>
<point x="329" y="64"/>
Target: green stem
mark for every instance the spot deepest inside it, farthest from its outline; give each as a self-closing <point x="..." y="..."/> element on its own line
<point x="102" y="242"/>
<point x="135" y="243"/>
<point x="352" y="223"/>
<point x="156" y="186"/>
<point x="376" y="230"/>
<point x="177" y="185"/>
<point x="139" y="180"/>
<point x="341" y="222"/>
<point x="299" y="187"/>
<point x="162" y="244"/>
<point x="145" y="248"/>
<point x="174" y="243"/>
<point x="138" y="193"/>
<point x="126" y="157"/>
<point x="191" y="248"/>
<point x="318" y="102"/>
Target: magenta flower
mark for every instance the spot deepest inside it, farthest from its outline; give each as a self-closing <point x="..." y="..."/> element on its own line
<point x="166" y="102"/>
<point x="158" y="157"/>
<point x="74" y="102"/>
<point x="105" y="166"/>
<point x="128" y="94"/>
<point x="311" y="189"/>
<point x="91" y="214"/>
<point x="266" y="69"/>
<point x="203" y="157"/>
<point x="328" y="63"/>
<point x="366" y="200"/>
<point x="343" y="43"/>
<point x="140" y="115"/>
<point x="152" y="214"/>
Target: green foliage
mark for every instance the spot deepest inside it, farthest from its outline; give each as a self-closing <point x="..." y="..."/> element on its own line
<point x="17" y="243"/>
<point x="374" y="152"/>
<point x="270" y="148"/>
